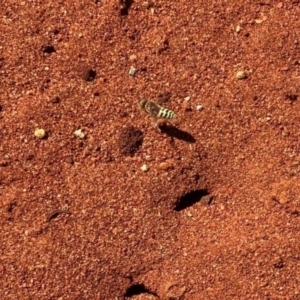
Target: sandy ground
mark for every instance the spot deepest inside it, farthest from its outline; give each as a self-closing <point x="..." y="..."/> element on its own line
<point x="206" y="208"/>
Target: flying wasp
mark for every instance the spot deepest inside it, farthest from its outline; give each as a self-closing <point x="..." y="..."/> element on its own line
<point x="155" y="111"/>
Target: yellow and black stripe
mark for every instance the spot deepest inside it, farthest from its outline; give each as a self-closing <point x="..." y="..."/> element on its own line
<point x="165" y="113"/>
<point x="156" y="111"/>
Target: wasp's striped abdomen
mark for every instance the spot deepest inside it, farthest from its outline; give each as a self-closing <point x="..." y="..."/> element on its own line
<point x="166" y="114"/>
<point x="156" y="111"/>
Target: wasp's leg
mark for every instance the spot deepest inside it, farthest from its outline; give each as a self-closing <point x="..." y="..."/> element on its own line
<point x="160" y="124"/>
<point x="156" y="122"/>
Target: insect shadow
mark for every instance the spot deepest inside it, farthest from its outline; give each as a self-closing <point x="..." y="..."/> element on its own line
<point x="176" y="133"/>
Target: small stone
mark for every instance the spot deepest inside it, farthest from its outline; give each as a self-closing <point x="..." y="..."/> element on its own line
<point x="40" y="133"/>
<point x="186" y="106"/>
<point x="79" y="134"/>
<point x="199" y="107"/>
<point x="132" y="71"/>
<point x="69" y="160"/>
<point x="241" y="75"/>
<point x="167" y="165"/>
<point x="187" y="98"/>
<point x="144" y="168"/>
<point x="279" y="5"/>
<point x="259" y="21"/>
<point x="206" y="200"/>
<point x="132" y="57"/>
<point x="238" y="28"/>
<point x="268" y="118"/>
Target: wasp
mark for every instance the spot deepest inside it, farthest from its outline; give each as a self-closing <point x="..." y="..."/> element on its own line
<point x="156" y="111"/>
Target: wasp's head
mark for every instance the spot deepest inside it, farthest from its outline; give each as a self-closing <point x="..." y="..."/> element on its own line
<point x="143" y="103"/>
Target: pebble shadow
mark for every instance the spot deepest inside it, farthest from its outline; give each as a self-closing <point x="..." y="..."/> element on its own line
<point x="125" y="6"/>
<point x="191" y="198"/>
<point x="137" y="289"/>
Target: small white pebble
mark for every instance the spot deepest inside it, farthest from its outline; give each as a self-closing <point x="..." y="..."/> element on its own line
<point x="144" y="168"/>
<point x="238" y="28"/>
<point x="40" y="133"/>
<point x="199" y="107"/>
<point x="132" y="71"/>
<point x="259" y="21"/>
<point x="79" y="133"/>
<point x="241" y="75"/>
<point x="187" y="98"/>
<point x="268" y="118"/>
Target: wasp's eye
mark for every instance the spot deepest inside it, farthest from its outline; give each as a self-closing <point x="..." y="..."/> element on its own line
<point x="143" y="103"/>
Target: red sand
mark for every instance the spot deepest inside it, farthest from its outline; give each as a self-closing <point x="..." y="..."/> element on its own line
<point x="129" y="234"/>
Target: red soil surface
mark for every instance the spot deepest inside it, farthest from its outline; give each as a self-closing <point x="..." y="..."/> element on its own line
<point x="215" y="216"/>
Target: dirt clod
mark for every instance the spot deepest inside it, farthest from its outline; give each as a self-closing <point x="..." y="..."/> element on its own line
<point x="130" y="140"/>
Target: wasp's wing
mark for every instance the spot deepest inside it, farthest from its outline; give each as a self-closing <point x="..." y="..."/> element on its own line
<point x="163" y="98"/>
